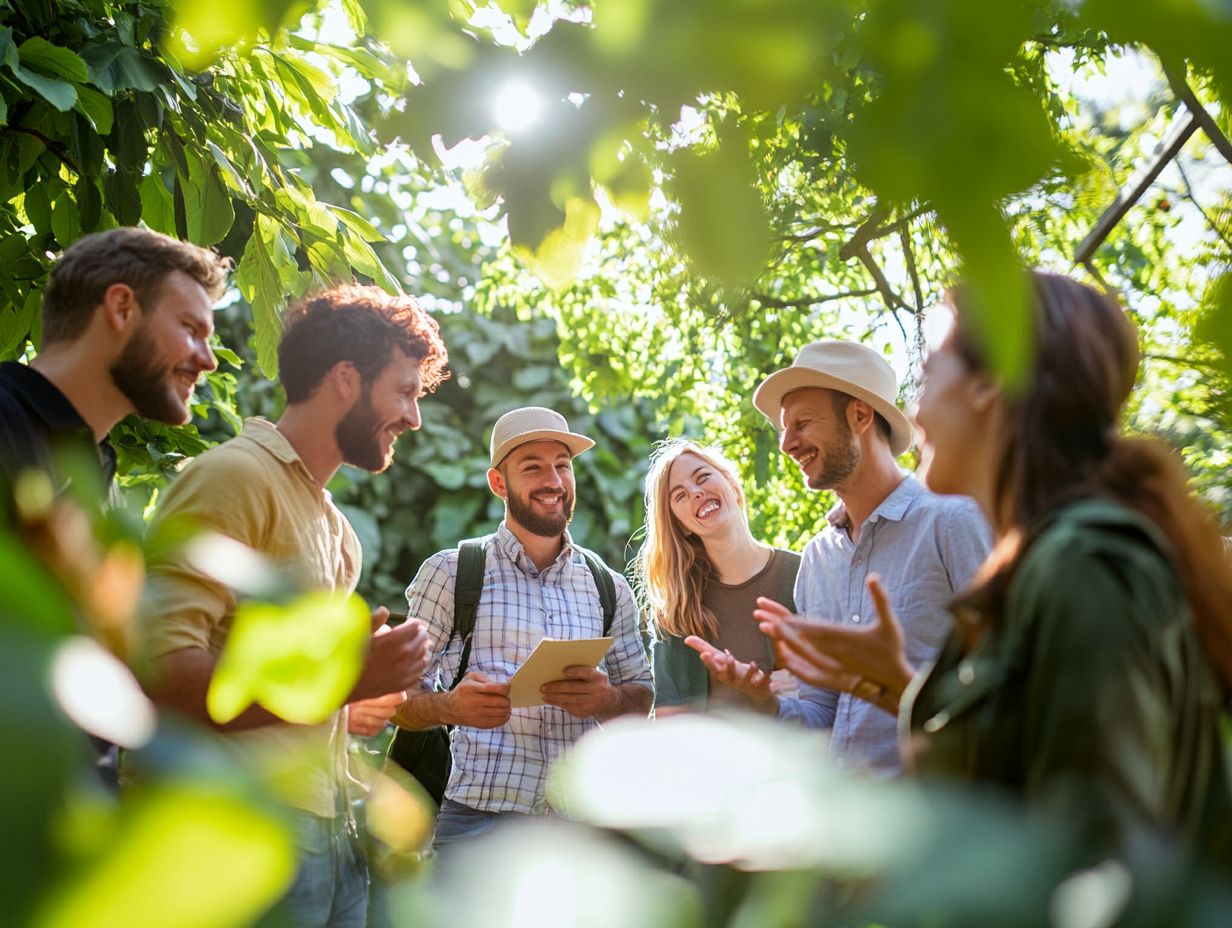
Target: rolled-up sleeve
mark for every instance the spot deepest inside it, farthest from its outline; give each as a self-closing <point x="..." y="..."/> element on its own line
<point x="429" y="598"/>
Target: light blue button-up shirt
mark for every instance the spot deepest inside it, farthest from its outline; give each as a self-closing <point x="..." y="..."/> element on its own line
<point x="926" y="549"/>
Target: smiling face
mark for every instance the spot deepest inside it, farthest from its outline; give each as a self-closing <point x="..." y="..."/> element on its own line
<point x="818" y="438"/>
<point x="536" y="482"/>
<point x="702" y="498"/>
<point x="384" y="410"/>
<point x="954" y="418"/>
<point x="169" y="349"/>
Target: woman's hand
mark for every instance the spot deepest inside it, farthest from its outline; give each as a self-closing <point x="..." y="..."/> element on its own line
<point x="868" y="661"/>
<point x="748" y="679"/>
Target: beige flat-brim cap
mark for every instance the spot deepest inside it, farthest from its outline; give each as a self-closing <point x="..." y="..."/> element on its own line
<point x="534" y="423"/>
<point x="847" y="367"/>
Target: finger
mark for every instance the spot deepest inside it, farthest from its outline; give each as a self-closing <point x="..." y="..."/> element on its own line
<point x="701" y="645"/>
<point x="881" y="599"/>
<point x="379" y="616"/>
<point x="581" y="672"/>
<point x="772" y="608"/>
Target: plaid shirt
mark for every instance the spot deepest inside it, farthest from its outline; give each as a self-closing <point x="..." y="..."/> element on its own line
<point x="505" y="769"/>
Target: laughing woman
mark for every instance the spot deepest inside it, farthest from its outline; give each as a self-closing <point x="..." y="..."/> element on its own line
<point x="700" y="573"/>
<point x="1091" y="663"/>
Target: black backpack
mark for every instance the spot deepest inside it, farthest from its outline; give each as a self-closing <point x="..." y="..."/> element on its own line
<point x="425" y="754"/>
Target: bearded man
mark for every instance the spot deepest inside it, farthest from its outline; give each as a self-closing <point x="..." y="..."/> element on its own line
<point x="836" y="409"/>
<point x="127" y="318"/>
<point x="536" y="583"/>
<point x="354" y="363"/>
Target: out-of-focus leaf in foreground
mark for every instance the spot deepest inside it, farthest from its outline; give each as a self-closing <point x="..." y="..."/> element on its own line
<point x="182" y="856"/>
<point x="298" y="660"/>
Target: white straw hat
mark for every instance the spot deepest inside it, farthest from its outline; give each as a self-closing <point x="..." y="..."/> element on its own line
<point x="846" y="367"/>
<point x="533" y="423"/>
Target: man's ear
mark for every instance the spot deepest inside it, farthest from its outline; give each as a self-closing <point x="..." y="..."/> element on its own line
<point x="496" y="483"/>
<point x="345" y="381"/>
<point x="860" y="416"/>
<point x="120" y="308"/>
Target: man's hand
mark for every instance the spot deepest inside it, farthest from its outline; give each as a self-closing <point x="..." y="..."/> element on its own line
<point x="396" y="658"/>
<point x="584" y="692"/>
<point x="748" y="679"/>
<point x="369" y="717"/>
<point x="478" y="701"/>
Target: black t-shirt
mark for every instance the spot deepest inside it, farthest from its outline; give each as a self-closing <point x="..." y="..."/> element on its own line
<point x="38" y="424"/>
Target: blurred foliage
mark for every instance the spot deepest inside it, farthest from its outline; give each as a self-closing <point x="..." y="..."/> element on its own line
<point x="710" y="185"/>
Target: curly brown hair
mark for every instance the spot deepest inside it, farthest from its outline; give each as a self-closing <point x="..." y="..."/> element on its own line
<point x="140" y="258"/>
<point x="362" y="325"/>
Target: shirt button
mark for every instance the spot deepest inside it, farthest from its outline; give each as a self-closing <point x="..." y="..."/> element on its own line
<point x="855" y="617"/>
<point x="966" y="673"/>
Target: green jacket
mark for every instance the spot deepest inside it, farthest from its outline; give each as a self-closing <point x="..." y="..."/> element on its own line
<point x="1091" y="696"/>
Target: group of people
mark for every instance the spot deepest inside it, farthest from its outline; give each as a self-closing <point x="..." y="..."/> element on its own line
<point x="1048" y="612"/>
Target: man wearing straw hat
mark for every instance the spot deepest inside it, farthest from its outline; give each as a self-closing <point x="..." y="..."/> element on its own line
<point x="838" y="419"/>
<point x="535" y="583"/>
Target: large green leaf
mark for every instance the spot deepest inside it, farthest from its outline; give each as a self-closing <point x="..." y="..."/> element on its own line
<point x="41" y="55"/>
<point x="260" y="283"/>
<point x="58" y="93"/>
<point x="242" y="860"/>
<point x="207" y="203"/>
<point x="298" y="660"/>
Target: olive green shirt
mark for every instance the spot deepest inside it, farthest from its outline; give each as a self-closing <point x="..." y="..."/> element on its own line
<point x="1091" y="696"/>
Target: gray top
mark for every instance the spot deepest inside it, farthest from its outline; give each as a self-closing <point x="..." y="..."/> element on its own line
<point x="926" y="548"/>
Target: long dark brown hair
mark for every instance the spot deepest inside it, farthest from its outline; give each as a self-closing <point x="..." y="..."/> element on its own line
<point x="1060" y="442"/>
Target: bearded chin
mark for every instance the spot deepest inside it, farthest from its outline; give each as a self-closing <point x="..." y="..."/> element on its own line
<point x="551" y="526"/>
<point x="144" y="382"/>
<point x="356" y="435"/>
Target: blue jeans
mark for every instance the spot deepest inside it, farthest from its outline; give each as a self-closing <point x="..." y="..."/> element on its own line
<point x="331" y="887"/>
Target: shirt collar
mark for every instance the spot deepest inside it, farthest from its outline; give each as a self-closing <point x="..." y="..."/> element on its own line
<point x="47" y="402"/>
<point x="262" y="432"/>
<point x="509" y="545"/>
<point x="894" y="507"/>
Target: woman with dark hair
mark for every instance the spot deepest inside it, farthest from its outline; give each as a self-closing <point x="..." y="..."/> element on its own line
<point x="1090" y="664"/>
<point x="700" y="573"/>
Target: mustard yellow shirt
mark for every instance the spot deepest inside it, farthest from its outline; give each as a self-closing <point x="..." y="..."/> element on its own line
<point x="256" y="490"/>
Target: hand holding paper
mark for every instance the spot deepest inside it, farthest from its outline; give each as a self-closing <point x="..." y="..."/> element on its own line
<point x="563" y="673"/>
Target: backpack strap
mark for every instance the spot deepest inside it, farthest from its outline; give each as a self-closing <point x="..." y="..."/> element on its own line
<point x="605" y="585"/>
<point x="467" y="588"/>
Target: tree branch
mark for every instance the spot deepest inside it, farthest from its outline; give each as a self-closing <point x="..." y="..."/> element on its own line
<point x="49" y="144"/>
<point x="804" y="302"/>
<point x="1189" y="195"/>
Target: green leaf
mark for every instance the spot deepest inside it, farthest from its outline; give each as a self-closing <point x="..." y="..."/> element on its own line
<point x="157" y="207"/>
<point x="51" y="59"/>
<point x="207" y="203"/>
<point x="59" y="94"/>
<point x="727" y="237"/>
<point x="65" y="220"/>
<point x="139" y="878"/>
<point x="358" y="224"/>
<point x="299" y="661"/>
<point x="114" y="66"/>
<point x="258" y="280"/>
<point x="95" y="107"/>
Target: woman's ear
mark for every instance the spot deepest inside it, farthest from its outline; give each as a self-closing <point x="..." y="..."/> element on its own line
<point x="986" y="393"/>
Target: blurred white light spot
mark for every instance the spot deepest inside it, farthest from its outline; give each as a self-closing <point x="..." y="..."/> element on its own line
<point x="1093" y="898"/>
<point x="229" y="561"/>
<point x="100" y="694"/>
<point x="517" y="107"/>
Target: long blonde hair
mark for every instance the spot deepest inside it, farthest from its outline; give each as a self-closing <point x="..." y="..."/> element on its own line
<point x="672" y="568"/>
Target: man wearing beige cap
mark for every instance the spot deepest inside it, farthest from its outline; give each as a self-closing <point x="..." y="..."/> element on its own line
<point x="536" y="583"/>
<point x="837" y="412"/>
